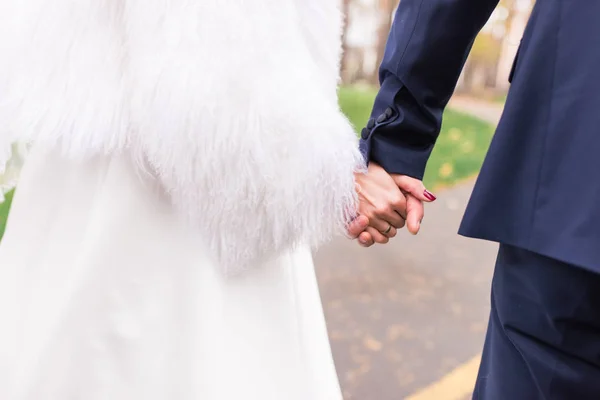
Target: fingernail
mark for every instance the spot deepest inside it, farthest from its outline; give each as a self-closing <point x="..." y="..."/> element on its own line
<point x="416" y="228"/>
<point x="429" y="195"/>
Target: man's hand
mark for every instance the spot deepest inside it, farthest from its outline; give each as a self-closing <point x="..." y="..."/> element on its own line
<point x="357" y="226"/>
<point x="412" y="191"/>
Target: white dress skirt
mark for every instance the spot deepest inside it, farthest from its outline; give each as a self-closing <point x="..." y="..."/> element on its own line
<point x="105" y="295"/>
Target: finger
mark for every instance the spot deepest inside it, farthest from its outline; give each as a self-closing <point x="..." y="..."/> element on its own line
<point x="377" y="236"/>
<point x="393" y="232"/>
<point x="388" y="212"/>
<point x="415" y="211"/>
<point x="397" y="213"/>
<point x="402" y="224"/>
<point x="380" y="225"/>
<point x="365" y="239"/>
<point x="357" y="226"/>
<point x="413" y="186"/>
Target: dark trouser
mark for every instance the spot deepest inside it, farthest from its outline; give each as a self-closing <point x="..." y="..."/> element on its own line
<point x="543" y="338"/>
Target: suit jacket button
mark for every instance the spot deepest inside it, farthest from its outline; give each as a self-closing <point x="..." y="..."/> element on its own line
<point x="365" y="133"/>
<point x="389" y="112"/>
<point x="371" y="123"/>
<point x="381" y="118"/>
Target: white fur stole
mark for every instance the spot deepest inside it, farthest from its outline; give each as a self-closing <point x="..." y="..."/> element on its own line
<point x="232" y="103"/>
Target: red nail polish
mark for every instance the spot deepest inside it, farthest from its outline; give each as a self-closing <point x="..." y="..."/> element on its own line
<point x="429" y="195"/>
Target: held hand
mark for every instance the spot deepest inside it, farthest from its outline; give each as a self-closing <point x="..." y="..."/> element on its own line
<point x="415" y="194"/>
<point x="382" y="202"/>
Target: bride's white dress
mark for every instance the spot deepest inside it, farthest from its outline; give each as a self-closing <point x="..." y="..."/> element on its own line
<point x="105" y="295"/>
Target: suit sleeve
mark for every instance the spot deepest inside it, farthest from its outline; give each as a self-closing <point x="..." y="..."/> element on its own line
<point x="425" y="53"/>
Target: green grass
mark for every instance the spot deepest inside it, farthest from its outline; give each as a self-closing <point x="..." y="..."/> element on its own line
<point x="4" y="211"/>
<point x="460" y="148"/>
<point x="458" y="154"/>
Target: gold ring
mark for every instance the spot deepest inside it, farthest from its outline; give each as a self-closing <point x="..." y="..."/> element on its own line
<point x="387" y="230"/>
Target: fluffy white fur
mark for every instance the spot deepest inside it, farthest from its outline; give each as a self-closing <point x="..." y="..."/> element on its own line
<point x="232" y="103"/>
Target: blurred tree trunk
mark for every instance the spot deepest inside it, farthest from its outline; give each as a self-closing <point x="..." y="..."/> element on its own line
<point x="344" y="61"/>
<point x="387" y="8"/>
<point x="505" y="57"/>
<point x="515" y="25"/>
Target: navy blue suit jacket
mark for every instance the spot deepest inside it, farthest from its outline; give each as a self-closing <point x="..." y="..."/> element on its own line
<point x="539" y="187"/>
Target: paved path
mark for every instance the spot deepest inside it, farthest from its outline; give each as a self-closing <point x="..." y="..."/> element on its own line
<point x="489" y="112"/>
<point x="407" y="320"/>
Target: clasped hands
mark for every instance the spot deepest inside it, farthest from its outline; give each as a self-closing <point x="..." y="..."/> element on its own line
<point x="387" y="203"/>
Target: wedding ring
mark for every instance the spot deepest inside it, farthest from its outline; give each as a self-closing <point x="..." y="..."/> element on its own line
<point x="387" y="230"/>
